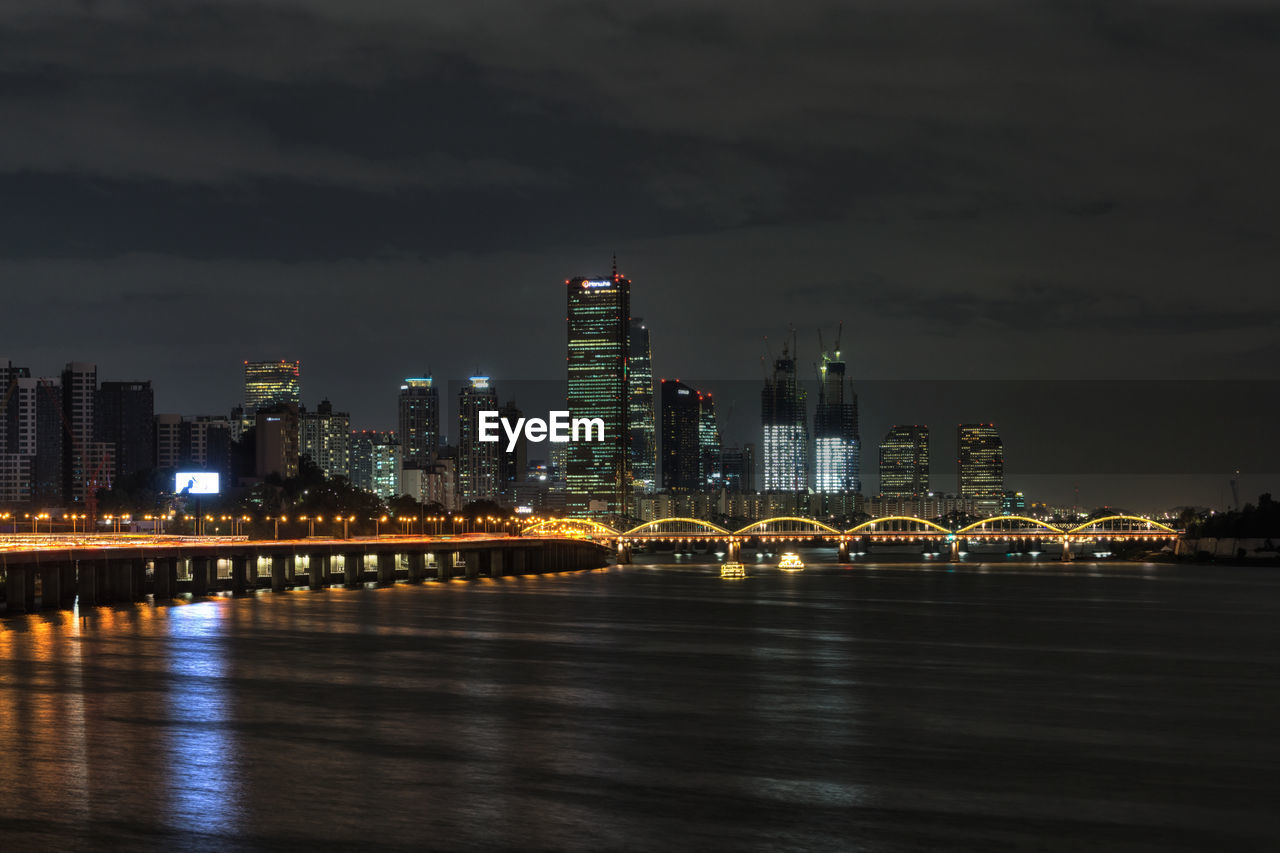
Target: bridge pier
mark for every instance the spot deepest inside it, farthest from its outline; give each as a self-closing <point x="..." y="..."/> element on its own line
<point x="386" y="568"/>
<point x="1066" y="548"/>
<point x="50" y="587"/>
<point x="352" y="568"/>
<point x="240" y="573"/>
<point x="495" y="563"/>
<point x="200" y="576"/>
<point x="444" y="566"/>
<point x="318" y="570"/>
<point x="473" y="565"/>
<point x="842" y="552"/>
<point x="20" y="589"/>
<point x="417" y="566"/>
<point x="624" y="553"/>
<point x="953" y="550"/>
<point x="166" y="577"/>
<point x="280" y="571"/>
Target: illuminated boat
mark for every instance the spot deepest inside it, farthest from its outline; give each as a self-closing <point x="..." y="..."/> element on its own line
<point x="791" y="563"/>
<point x="733" y="569"/>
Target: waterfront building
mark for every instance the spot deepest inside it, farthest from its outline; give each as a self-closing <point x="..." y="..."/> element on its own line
<point x="419" y="405"/>
<point x="981" y="464"/>
<point x="477" y="460"/>
<point x="376" y="462"/>
<point x="785" y="429"/>
<point x="643" y="436"/>
<point x="276" y="434"/>
<point x="31" y="439"/>
<point x="124" y="415"/>
<point x="835" y="430"/>
<point x="325" y="437"/>
<point x="598" y="321"/>
<point x="904" y="461"/>
<point x="681" y="429"/>
<point x="710" y="464"/>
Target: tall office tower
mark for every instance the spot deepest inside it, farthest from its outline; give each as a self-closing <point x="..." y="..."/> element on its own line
<point x="785" y="427"/>
<point x="681" y="425"/>
<point x="375" y="462"/>
<point x="325" y="436"/>
<point x="737" y="467"/>
<point x="643" y="438"/>
<point x="599" y="323"/>
<point x="710" y="464"/>
<point x="477" y="460"/>
<point x="904" y="461"/>
<point x="276" y="440"/>
<point x="211" y="443"/>
<point x="83" y="465"/>
<point x="124" y="416"/>
<point x="512" y="466"/>
<point x="270" y="383"/>
<point x="419" y="421"/>
<point x="981" y="465"/>
<point x="173" y="440"/>
<point x="835" y="430"/>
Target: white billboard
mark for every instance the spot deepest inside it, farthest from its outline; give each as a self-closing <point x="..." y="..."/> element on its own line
<point x="196" y="483"/>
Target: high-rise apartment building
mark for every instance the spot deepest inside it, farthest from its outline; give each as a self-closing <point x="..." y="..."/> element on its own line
<point x="325" y="437"/>
<point x="31" y="438"/>
<point x="785" y="429"/>
<point x="681" y="423"/>
<point x="477" y="460"/>
<point x="599" y="323"/>
<point x="419" y="404"/>
<point x="513" y="465"/>
<point x="904" y="461"/>
<point x="835" y="429"/>
<point x="124" y="417"/>
<point x="643" y="437"/>
<point x="981" y="464"/>
<point x="83" y="467"/>
<point x="375" y="462"/>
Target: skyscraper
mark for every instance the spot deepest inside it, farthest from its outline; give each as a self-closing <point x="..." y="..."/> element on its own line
<point x="835" y="429"/>
<point x="276" y="440"/>
<point x="599" y="318"/>
<point x="981" y="464"/>
<point x="31" y="438"/>
<point x="325" y="437"/>
<point x="477" y="460"/>
<point x="904" y="461"/>
<point x="785" y="427"/>
<point x="375" y="462"/>
<point x="681" y="423"/>
<point x="124" y="416"/>
<point x="643" y="438"/>
<point x="270" y="383"/>
<point x="419" y="421"/>
<point x="512" y="465"/>
<point x="84" y="467"/>
<point x="709" y="461"/>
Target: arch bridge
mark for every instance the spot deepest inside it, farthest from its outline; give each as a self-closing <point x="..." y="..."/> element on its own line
<point x="900" y="529"/>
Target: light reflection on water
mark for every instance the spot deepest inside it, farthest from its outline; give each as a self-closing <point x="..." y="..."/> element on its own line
<point x="652" y="708"/>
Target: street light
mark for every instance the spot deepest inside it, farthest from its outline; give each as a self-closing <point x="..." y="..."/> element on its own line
<point x="377" y="526"/>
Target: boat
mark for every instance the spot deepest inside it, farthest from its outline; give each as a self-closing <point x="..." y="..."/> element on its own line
<point x="791" y="563"/>
<point x="733" y="569"/>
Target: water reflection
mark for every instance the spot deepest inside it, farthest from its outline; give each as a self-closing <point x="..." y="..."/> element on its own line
<point x="201" y="749"/>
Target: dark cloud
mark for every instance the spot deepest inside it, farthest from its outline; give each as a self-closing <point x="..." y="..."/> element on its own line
<point x="377" y="187"/>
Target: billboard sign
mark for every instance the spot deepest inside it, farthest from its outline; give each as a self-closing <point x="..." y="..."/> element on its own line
<point x="196" y="483"/>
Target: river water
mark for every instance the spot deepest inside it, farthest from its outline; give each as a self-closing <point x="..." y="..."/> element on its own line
<point x="880" y="707"/>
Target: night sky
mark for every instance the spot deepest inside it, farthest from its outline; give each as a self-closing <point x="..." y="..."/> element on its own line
<point x="1023" y="190"/>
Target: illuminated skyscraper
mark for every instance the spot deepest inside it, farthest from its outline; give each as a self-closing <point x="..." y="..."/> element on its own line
<point x="325" y="437"/>
<point x="375" y="462"/>
<point x="599" y="319"/>
<point x="904" y="461"/>
<point x="419" y="421"/>
<point x="270" y="383"/>
<point x="981" y="464"/>
<point x="785" y="426"/>
<point x="835" y="429"/>
<point x="709" y="461"/>
<point x="681" y="425"/>
<point x="644" y="449"/>
<point x="478" y="473"/>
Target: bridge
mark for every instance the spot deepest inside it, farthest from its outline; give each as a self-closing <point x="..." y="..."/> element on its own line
<point x="59" y="572"/>
<point x="1021" y="532"/>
